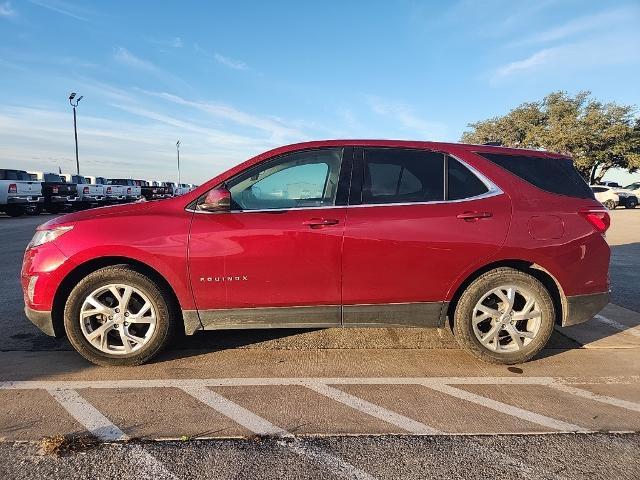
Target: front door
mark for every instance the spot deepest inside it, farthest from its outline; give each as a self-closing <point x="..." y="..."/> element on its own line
<point x="275" y="259"/>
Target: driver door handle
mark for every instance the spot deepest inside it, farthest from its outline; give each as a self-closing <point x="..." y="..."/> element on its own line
<point x="320" y="222"/>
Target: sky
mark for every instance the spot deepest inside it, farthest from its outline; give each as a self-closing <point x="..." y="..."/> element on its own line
<point x="233" y="79"/>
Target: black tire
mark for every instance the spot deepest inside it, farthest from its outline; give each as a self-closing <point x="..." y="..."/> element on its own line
<point x="631" y="203"/>
<point x="37" y="210"/>
<point x="610" y="204"/>
<point x="463" y="324"/>
<point x="14" y="211"/>
<point x="165" y="321"/>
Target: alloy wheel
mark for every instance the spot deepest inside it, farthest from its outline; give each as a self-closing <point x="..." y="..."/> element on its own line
<point x="118" y="319"/>
<point x="506" y="319"/>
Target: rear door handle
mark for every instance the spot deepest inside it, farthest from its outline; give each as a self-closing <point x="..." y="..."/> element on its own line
<point x="320" y="222"/>
<point x="473" y="216"/>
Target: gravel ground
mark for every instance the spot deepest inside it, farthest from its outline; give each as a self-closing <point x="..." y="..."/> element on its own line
<point x="570" y="456"/>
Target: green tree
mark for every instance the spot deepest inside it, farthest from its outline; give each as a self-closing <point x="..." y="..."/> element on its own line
<point x="599" y="136"/>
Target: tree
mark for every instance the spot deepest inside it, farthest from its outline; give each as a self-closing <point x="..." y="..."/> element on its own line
<point x="599" y="136"/>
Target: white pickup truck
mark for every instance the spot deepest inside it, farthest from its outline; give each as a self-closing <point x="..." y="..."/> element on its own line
<point x="181" y="189"/>
<point x="89" y="194"/>
<point x="18" y="193"/>
<point x="132" y="191"/>
<point x="112" y="193"/>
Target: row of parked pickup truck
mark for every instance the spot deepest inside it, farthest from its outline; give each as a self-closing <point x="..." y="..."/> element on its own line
<point x="34" y="192"/>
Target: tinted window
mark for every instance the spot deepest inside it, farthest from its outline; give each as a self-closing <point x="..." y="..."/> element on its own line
<point x="52" y="177"/>
<point x="554" y="175"/>
<point x="599" y="189"/>
<point x="461" y="182"/>
<point x="402" y="176"/>
<point x="300" y="179"/>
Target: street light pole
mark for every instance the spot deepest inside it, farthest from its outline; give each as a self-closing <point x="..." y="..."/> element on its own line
<point x="72" y="96"/>
<point x="178" y="151"/>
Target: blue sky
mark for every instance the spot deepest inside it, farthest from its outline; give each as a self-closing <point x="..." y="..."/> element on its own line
<point x="233" y="79"/>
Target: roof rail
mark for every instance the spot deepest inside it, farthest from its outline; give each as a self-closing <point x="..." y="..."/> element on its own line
<point x="496" y="143"/>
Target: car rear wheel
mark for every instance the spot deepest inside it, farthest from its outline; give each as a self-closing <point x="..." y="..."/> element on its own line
<point x="15" y="211"/>
<point x="610" y="204"/>
<point x="504" y="316"/>
<point x="118" y="316"/>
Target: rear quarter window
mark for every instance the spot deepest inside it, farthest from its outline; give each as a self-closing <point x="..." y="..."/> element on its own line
<point x="553" y="175"/>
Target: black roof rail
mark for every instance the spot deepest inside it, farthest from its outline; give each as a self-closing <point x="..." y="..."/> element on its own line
<point x="496" y="143"/>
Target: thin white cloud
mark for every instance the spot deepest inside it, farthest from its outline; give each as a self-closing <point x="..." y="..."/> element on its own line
<point x="6" y="10"/>
<point x="602" y="21"/>
<point x="176" y="42"/>
<point x="277" y="130"/>
<point x="403" y="114"/>
<point x="599" y="51"/>
<point x="230" y="62"/>
<point x="62" y="8"/>
<point x="125" y="57"/>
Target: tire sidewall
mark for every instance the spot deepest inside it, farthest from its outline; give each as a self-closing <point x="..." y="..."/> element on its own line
<point x="463" y="317"/>
<point x="105" y="277"/>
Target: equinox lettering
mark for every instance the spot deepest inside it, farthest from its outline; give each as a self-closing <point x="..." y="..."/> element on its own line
<point x="236" y="278"/>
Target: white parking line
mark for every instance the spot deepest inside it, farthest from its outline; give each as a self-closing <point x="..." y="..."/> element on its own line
<point x="619" y="326"/>
<point x="261" y="426"/>
<point x="381" y="413"/>
<point x="101" y="427"/>
<point x="87" y="415"/>
<point x="235" y="412"/>
<point x="580" y="392"/>
<point x="508" y="409"/>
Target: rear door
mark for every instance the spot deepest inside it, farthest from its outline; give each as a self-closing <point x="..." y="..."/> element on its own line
<point x="416" y="221"/>
<point x="275" y="259"/>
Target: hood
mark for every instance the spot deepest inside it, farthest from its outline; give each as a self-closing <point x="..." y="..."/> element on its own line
<point x="108" y="211"/>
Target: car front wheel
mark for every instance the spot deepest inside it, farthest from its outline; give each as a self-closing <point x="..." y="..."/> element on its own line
<point x="504" y="316"/>
<point x="118" y="316"/>
<point x="631" y="203"/>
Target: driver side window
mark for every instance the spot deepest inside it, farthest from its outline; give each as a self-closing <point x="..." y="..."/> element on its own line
<point x="296" y="180"/>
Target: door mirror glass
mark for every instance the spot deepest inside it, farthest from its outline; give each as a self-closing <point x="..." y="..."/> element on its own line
<point x="216" y="200"/>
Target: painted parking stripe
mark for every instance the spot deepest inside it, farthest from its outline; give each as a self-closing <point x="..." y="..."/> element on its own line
<point x="261" y="426"/>
<point x="334" y="464"/>
<point x="619" y="326"/>
<point x="373" y="410"/>
<point x="507" y="409"/>
<point x="87" y="415"/>
<point x="580" y="392"/>
<point x="235" y="412"/>
<point x="101" y="427"/>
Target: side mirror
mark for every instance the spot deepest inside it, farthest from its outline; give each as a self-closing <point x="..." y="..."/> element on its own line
<point x="216" y="200"/>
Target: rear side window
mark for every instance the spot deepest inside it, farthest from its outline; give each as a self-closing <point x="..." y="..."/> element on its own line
<point x="14" y="175"/>
<point x="402" y="176"/>
<point x="461" y="182"/>
<point x="554" y="175"/>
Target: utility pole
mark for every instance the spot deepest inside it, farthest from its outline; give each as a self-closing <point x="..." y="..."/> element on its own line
<point x="72" y="96"/>
<point x="178" y="151"/>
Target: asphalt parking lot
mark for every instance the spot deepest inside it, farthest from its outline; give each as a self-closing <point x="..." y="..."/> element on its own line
<point x="376" y="403"/>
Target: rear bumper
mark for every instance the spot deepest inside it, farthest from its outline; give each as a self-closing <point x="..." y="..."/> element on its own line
<point x="41" y="319"/>
<point x="25" y="200"/>
<point x="581" y="308"/>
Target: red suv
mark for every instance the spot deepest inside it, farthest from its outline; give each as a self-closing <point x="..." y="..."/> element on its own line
<point x="500" y="244"/>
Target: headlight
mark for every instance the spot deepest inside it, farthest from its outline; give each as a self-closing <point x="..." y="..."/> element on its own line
<point x="623" y="194"/>
<point x="43" y="236"/>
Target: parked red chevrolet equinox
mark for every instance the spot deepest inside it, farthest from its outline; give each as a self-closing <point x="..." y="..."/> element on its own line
<point x="500" y="244"/>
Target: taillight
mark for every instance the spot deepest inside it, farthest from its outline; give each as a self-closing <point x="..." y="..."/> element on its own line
<point x="54" y="189"/>
<point x="13" y="188"/>
<point x="108" y="190"/>
<point x="128" y="190"/>
<point x="85" y="191"/>
<point x="599" y="219"/>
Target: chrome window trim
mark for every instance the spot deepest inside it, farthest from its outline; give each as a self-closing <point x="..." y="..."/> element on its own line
<point x="492" y="191"/>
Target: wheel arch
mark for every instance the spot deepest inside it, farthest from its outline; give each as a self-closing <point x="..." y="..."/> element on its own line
<point x="90" y="266"/>
<point x="537" y="271"/>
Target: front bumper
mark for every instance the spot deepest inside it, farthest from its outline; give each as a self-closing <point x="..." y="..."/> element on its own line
<point x="581" y="308"/>
<point x="41" y="319"/>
